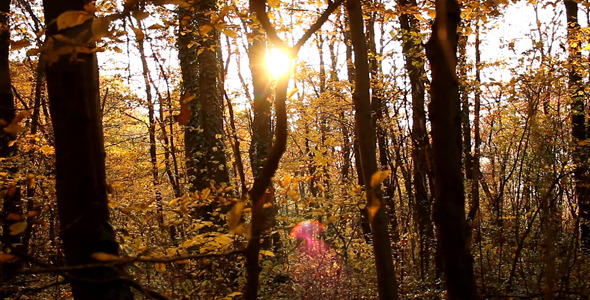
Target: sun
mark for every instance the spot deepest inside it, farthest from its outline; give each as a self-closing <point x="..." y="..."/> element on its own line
<point x="278" y="63"/>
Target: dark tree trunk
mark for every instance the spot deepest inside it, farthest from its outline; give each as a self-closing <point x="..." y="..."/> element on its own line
<point x="206" y="162"/>
<point x="365" y="131"/>
<point x="474" y="207"/>
<point x="11" y="195"/>
<point x="414" y="56"/>
<point x="579" y="122"/>
<point x="454" y="234"/>
<point x="261" y="123"/>
<point x="72" y="86"/>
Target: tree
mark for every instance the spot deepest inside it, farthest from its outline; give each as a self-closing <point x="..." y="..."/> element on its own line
<point x="72" y="84"/>
<point x="454" y="234"/>
<point x="414" y="57"/>
<point x="579" y="120"/>
<point x="365" y="132"/>
<point x="198" y="44"/>
<point x="11" y="198"/>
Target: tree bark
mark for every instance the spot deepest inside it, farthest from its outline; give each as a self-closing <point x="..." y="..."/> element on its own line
<point x="72" y="86"/>
<point x="579" y="122"/>
<point x="454" y="234"/>
<point x="365" y="131"/>
<point x="199" y="62"/>
<point x="414" y="56"/>
<point x="11" y="194"/>
<point x="261" y="108"/>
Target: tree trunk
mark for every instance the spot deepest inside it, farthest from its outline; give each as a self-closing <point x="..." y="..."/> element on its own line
<point x="11" y="195"/>
<point x="579" y="122"/>
<point x="73" y="92"/>
<point x="454" y="234"/>
<point x="365" y="131"/>
<point x="151" y="126"/>
<point x="261" y="108"/>
<point x="206" y="162"/>
<point x="414" y="56"/>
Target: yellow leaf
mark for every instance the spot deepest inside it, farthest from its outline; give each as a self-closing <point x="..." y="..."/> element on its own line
<point x="14" y="129"/>
<point x="19" y="44"/>
<point x="357" y="190"/>
<point x="47" y="150"/>
<point x="205" y="193"/>
<point x="286" y="180"/>
<point x="72" y="18"/>
<point x="100" y="28"/>
<point x="267" y="253"/>
<point x="17" y="228"/>
<point x="293" y="194"/>
<point x="30" y="180"/>
<point x="232" y="295"/>
<point x="378" y="177"/>
<point x="373" y="208"/>
<point x="160" y="267"/>
<point x="174" y="201"/>
<point x="230" y="32"/>
<point x="138" y="33"/>
<point x="204" y="30"/>
<point x="234" y="217"/>
<point x="292" y="92"/>
<point x="102" y="256"/>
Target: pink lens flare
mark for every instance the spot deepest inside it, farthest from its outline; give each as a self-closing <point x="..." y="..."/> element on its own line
<point x="319" y="271"/>
<point x="307" y="229"/>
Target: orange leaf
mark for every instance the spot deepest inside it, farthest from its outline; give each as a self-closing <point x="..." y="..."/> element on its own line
<point x="32" y="213"/>
<point x="378" y="177"/>
<point x="19" y="44"/>
<point x="185" y="111"/>
<point x="373" y="208"/>
<point x="13" y="217"/>
<point x="102" y="256"/>
<point x="5" y="257"/>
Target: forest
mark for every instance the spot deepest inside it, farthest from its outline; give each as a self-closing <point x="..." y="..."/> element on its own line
<point x="273" y="149"/>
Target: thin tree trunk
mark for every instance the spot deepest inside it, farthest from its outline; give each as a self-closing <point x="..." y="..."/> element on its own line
<point x="365" y="131"/>
<point x="474" y="207"/>
<point x="151" y="125"/>
<point x="414" y="56"/>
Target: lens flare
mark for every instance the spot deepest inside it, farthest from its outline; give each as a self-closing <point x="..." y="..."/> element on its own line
<point x="278" y="63"/>
<point x="319" y="271"/>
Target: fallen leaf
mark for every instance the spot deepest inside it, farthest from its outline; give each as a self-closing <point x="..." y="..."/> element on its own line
<point x="160" y="267"/>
